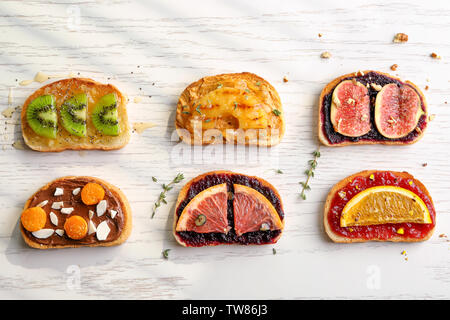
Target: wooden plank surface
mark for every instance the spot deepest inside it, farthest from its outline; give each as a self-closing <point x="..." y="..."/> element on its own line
<point x="152" y="50"/>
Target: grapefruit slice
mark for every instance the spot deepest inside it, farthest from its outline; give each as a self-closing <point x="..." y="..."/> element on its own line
<point x="382" y="205"/>
<point x="350" y="109"/>
<point x="253" y="211"/>
<point x="206" y="212"/>
<point x="397" y="110"/>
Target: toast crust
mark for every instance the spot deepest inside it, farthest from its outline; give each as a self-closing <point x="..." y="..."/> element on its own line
<point x="330" y="87"/>
<point x="125" y="206"/>
<point x="245" y="80"/>
<point x="184" y="191"/>
<point x="338" y="186"/>
<point x="64" y="89"/>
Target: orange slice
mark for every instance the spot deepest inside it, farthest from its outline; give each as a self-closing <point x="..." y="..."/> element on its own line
<point x="92" y="193"/>
<point x="76" y="227"/>
<point x="33" y="219"/>
<point x="253" y="211"/>
<point x="206" y="212"/>
<point x="384" y="204"/>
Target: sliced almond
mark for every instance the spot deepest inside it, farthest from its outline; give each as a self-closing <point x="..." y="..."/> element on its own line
<point x="76" y="191"/>
<point x="101" y="208"/>
<point x="43" y="233"/>
<point x="59" y="232"/>
<point x="67" y="210"/>
<point x="103" y="231"/>
<point x="54" y="218"/>
<point x="92" y="229"/>
<point x="43" y="203"/>
<point x="113" y="213"/>
<point x="91" y="214"/>
<point x="57" y="205"/>
<point x="58" y="192"/>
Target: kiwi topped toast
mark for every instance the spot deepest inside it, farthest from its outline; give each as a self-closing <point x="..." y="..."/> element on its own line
<point x="76" y="114"/>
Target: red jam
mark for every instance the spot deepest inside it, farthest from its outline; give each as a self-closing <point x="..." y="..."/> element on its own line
<point x="382" y="231"/>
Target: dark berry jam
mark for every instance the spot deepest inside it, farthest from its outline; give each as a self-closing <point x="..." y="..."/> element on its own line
<point x="194" y="239"/>
<point x="373" y="135"/>
<point x="382" y="231"/>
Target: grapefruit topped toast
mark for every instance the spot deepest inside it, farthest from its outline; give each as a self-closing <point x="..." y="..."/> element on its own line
<point x="223" y="207"/>
<point x="379" y="206"/>
<point x="371" y="107"/>
<point x="237" y="108"/>
<point x="76" y="212"/>
<point x="76" y="114"/>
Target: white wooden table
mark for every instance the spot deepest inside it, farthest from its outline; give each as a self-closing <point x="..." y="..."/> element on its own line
<point x="152" y="50"/>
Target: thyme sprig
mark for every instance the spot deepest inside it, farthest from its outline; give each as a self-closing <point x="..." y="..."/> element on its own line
<point x="310" y="173"/>
<point x="166" y="187"/>
<point x="165" y="254"/>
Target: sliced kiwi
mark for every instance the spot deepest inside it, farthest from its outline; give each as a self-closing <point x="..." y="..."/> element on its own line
<point x="73" y="114"/>
<point x="105" y="116"/>
<point x="42" y="117"/>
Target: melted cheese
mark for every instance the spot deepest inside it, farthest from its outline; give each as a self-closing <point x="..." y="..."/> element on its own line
<point x="233" y="108"/>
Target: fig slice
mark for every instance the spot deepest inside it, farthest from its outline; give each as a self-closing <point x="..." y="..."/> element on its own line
<point x="397" y="110"/>
<point x="350" y="109"/>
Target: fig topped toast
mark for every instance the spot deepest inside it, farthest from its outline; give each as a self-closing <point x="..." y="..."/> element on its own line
<point x="371" y="107"/>
<point x="76" y="114"/>
<point x="223" y="207"/>
<point x="377" y="205"/>
<point x="240" y="108"/>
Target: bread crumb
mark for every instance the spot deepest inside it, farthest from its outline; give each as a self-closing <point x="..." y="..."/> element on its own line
<point x="140" y="127"/>
<point x="137" y="99"/>
<point x="427" y="87"/>
<point x="431" y="117"/>
<point x="435" y="56"/>
<point x="325" y="55"/>
<point x="442" y="235"/>
<point x="320" y="35"/>
<point x="18" y="145"/>
<point x="401" y="38"/>
<point x="285" y="79"/>
<point x="424" y="164"/>
<point x="394" y="67"/>
<point x="8" y="112"/>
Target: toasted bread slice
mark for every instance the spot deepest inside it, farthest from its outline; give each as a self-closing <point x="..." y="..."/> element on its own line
<point x="367" y="174"/>
<point x="329" y="137"/>
<point x="217" y="177"/>
<point x="120" y="224"/>
<point x="240" y="108"/>
<point x="64" y="89"/>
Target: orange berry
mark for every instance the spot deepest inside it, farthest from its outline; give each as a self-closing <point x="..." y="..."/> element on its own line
<point x="33" y="219"/>
<point x="92" y="193"/>
<point x="76" y="227"/>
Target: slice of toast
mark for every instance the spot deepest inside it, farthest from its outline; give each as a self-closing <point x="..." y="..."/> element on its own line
<point x="120" y="224"/>
<point x="233" y="98"/>
<point x="94" y="140"/>
<point x="187" y="193"/>
<point x="329" y="137"/>
<point x="335" y="237"/>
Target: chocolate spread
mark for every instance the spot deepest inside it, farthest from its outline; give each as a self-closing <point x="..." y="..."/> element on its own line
<point x="70" y="200"/>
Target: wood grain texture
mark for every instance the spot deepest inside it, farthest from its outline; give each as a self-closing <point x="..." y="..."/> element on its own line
<point x="153" y="50"/>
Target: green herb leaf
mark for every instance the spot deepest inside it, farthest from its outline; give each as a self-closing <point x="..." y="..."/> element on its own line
<point x="154" y="179"/>
<point x="276" y="112"/>
<point x="165" y="253"/>
<point x="274" y="251"/>
<point x="219" y="86"/>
